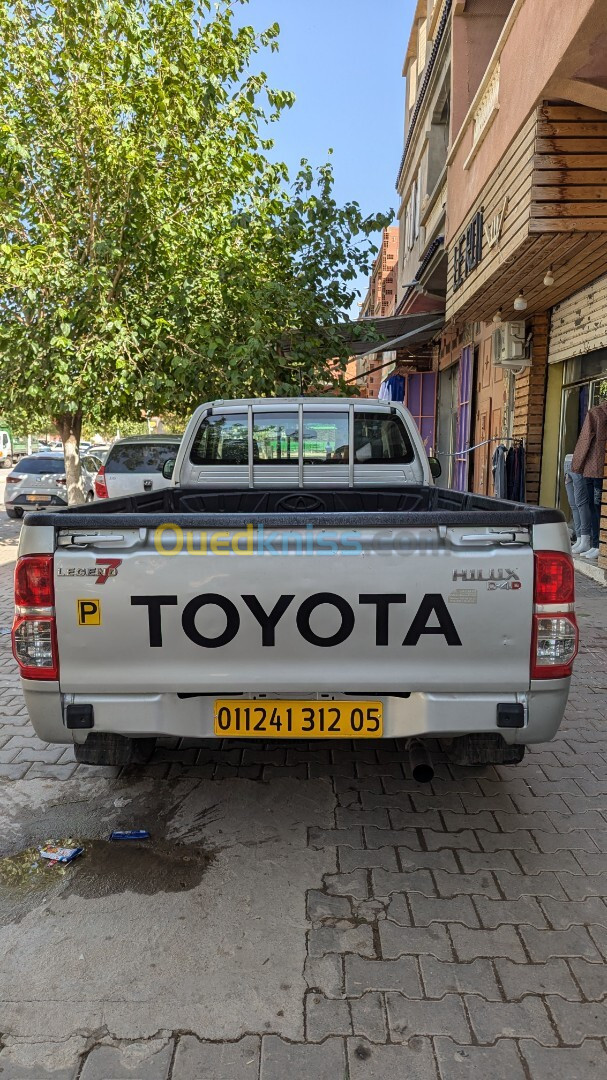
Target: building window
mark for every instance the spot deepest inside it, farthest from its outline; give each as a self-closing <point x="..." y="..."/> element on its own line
<point x="412" y="84"/>
<point x="417" y="209"/>
<point x="412" y="216"/>
<point x="421" y="46"/>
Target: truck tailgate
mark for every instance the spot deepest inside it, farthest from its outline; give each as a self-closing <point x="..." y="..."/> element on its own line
<point x="313" y="611"/>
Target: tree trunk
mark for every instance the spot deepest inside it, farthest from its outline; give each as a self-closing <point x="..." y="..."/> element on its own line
<point x="69" y="426"/>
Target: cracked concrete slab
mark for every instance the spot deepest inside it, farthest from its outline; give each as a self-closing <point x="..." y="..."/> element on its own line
<point x="221" y="958"/>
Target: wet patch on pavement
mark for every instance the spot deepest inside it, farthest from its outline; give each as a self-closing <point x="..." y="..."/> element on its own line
<point x="144" y="867"/>
<point x="105" y="868"/>
<point x="84" y="814"/>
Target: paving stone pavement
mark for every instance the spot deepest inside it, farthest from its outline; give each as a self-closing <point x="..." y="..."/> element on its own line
<point x="462" y="932"/>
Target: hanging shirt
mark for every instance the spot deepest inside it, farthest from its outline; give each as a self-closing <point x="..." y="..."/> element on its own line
<point x="392" y="388"/>
<point x="499" y="472"/>
<point x="515" y="474"/>
<point x="589" y="453"/>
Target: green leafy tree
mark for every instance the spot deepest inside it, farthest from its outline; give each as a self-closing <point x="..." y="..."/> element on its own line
<point x="151" y="255"/>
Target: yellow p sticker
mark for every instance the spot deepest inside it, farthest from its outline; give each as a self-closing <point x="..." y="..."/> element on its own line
<point x="89" y="612"/>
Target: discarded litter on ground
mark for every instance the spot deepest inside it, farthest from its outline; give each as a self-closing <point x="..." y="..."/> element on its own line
<point x="58" y="854"/>
<point x="131" y="834"/>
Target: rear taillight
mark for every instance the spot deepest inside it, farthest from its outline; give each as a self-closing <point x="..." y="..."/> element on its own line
<point x="35" y="646"/>
<point x="555" y="631"/>
<point x="554" y="578"/>
<point x="100" y="484"/>
<point x="13" y="479"/>
<point x="34" y="586"/>
<point x="34" y="634"/>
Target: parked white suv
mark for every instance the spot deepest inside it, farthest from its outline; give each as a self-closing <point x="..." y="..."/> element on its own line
<point x="135" y="465"/>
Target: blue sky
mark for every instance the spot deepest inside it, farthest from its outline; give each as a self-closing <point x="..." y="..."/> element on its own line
<point x="343" y="60"/>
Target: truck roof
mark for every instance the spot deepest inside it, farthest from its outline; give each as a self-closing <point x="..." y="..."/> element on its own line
<point x="326" y="399"/>
<point x="130" y="439"/>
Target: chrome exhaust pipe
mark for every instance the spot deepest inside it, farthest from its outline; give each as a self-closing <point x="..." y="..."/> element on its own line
<point x="420" y="763"/>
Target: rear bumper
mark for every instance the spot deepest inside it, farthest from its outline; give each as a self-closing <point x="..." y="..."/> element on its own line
<point x="423" y="715"/>
<point x="22" y="500"/>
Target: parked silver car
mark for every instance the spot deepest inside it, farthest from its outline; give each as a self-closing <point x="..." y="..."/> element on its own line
<point x="38" y="481"/>
<point x="135" y="465"/>
<point x="91" y="463"/>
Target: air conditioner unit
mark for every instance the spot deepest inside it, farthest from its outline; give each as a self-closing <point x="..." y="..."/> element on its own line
<point x="509" y="346"/>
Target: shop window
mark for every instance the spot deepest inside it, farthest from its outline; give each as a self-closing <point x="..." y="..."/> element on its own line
<point x="585" y="386"/>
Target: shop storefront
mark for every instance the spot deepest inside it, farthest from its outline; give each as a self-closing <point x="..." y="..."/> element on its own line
<point x="527" y="244"/>
<point x="577" y="383"/>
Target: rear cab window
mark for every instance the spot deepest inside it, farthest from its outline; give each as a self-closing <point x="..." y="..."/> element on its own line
<point x="221" y="439"/>
<point x="379" y="438"/>
<point x="276" y="438"/>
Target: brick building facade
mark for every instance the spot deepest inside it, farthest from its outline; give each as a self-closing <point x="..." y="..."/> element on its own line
<point x="379" y="301"/>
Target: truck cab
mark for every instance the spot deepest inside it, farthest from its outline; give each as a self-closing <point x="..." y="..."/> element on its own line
<point x="300" y="442"/>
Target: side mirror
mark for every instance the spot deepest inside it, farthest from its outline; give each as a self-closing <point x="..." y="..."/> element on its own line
<point x="168" y="468"/>
<point x="435" y="467"/>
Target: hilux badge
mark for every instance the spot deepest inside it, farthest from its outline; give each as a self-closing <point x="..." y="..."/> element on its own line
<point x="485" y="575"/>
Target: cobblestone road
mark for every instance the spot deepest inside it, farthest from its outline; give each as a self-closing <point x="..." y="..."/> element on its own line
<point x="461" y="932"/>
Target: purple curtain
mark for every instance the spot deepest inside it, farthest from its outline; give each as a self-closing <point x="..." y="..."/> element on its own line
<point x="462" y="437"/>
<point x="420" y="400"/>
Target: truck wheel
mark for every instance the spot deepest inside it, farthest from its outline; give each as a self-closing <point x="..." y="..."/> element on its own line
<point x="7" y="463"/>
<point x="483" y="749"/>
<point x="103" y="748"/>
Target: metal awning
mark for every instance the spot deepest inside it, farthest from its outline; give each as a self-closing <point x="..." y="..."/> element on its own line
<point x="390" y="332"/>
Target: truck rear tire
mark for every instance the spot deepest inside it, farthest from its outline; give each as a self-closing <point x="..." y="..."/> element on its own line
<point x="103" y="748"/>
<point x="483" y="749"/>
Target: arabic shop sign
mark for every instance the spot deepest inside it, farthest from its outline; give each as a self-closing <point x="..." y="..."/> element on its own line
<point x="468" y="250"/>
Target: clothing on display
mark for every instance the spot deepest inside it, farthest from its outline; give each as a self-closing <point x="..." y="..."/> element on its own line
<point x="575" y="514"/>
<point x="515" y="473"/>
<point x="582" y="505"/>
<point x="589" y="453"/>
<point x="392" y="388"/>
<point x="587" y="465"/>
<point x="499" y="471"/>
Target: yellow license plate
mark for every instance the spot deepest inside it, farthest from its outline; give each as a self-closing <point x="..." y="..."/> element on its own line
<point x="37" y="498"/>
<point x="266" y="719"/>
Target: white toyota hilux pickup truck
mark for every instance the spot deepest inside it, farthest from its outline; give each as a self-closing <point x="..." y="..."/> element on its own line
<point x="300" y="576"/>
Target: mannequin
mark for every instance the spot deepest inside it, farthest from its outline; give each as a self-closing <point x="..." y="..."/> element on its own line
<point x="587" y="469"/>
